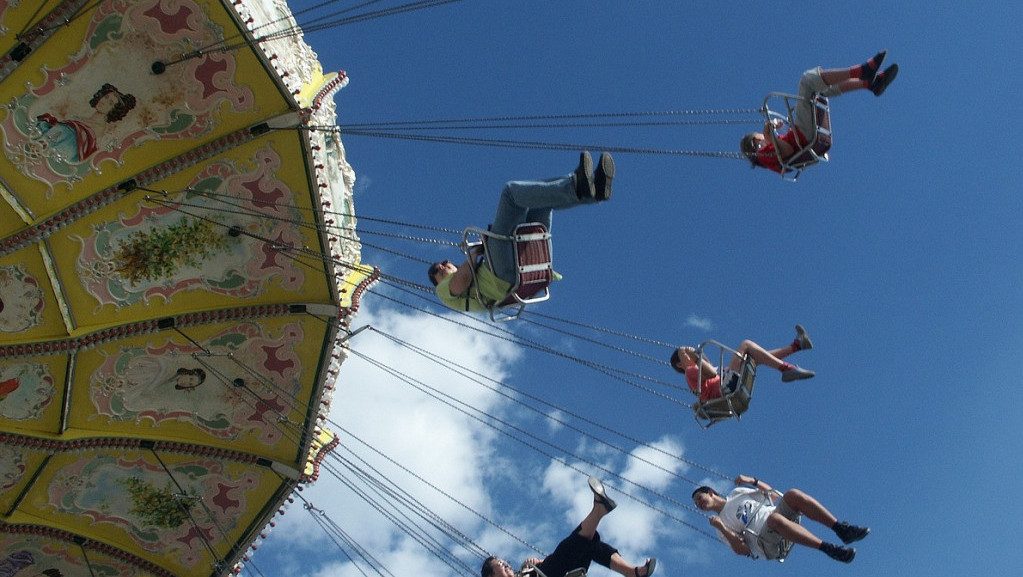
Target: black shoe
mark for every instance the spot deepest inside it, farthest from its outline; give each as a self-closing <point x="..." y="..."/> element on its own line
<point x="843" y="554"/>
<point x="870" y="70"/>
<point x="584" y="176"/>
<point x="796" y="374"/>
<point x="850" y="533"/>
<point x="600" y="496"/>
<point x="603" y="176"/>
<point x="882" y="80"/>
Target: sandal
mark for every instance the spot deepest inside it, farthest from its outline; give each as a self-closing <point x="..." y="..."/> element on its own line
<point x="600" y="496"/>
<point x="651" y="565"/>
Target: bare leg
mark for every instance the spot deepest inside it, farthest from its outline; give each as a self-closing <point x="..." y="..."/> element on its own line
<point x="618" y="565"/>
<point x="852" y="84"/>
<point x="793" y="531"/>
<point x="809" y="506"/>
<point x="854" y="77"/>
<point x="833" y="76"/>
<point x="760" y="355"/>
<point x="589" y="524"/>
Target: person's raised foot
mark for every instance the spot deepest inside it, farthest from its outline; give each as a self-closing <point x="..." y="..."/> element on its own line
<point x="882" y="80"/>
<point x="600" y="495"/>
<point x="870" y="67"/>
<point x="843" y="554"/>
<point x="648" y="568"/>
<point x="850" y="533"/>
<point x="584" y="176"/>
<point x="603" y="176"/>
<point x="803" y="339"/>
<point x="796" y="374"/>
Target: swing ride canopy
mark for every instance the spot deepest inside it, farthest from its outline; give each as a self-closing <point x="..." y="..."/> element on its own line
<point x="170" y="298"/>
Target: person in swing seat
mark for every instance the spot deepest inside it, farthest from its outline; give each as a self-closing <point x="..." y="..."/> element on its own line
<point x="521" y="202"/>
<point x="750" y="525"/>
<point x="688" y="361"/>
<point x="579" y="549"/>
<point x="759" y="149"/>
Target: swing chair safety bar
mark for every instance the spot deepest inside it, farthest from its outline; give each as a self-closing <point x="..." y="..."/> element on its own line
<point x="731" y="404"/>
<point x="530" y="570"/>
<point x="777" y="551"/>
<point x="818" y="143"/>
<point x="531" y="246"/>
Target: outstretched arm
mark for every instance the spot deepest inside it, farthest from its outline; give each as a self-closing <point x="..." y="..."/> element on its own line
<point x="755" y="483"/>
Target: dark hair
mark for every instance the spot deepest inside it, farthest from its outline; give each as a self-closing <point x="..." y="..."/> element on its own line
<point x="675" y="360"/>
<point x="125" y="102"/>
<point x="52" y="573"/>
<point x="748" y="147"/>
<point x="703" y="489"/>
<point x="434" y="269"/>
<point x="487" y="570"/>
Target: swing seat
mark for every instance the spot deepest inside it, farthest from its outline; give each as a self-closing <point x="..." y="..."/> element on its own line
<point x="818" y="143"/>
<point x="777" y="551"/>
<point x="731" y="404"/>
<point x="531" y="244"/>
<point x="773" y="551"/>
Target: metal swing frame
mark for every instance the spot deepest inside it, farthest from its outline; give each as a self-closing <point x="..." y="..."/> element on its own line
<point x="531" y="242"/>
<point x="776" y="551"/>
<point x="530" y="570"/>
<point x="816" y="148"/>
<point x="732" y="404"/>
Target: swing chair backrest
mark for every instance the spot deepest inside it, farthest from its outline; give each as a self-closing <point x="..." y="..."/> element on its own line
<point x="534" y="272"/>
<point x="818" y="142"/>
<point x="731" y="404"/>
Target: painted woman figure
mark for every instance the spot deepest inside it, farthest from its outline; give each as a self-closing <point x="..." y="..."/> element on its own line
<point x="72" y="140"/>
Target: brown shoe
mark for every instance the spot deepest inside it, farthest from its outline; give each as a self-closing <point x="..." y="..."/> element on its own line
<point x="584" y="176"/>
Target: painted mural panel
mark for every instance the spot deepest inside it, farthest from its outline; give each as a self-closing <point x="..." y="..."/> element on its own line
<point x="21" y="300"/>
<point x="32" y="556"/>
<point x="100" y="101"/>
<point x="229" y="230"/>
<point x="241" y="388"/>
<point x="18" y="466"/>
<point x="171" y="507"/>
<point x="31" y="393"/>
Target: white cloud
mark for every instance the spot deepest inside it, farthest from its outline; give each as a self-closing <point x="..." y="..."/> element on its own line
<point x="555" y="420"/>
<point x="699" y="323"/>
<point x="362" y="184"/>
<point x="424" y="435"/>
<point x="535" y="498"/>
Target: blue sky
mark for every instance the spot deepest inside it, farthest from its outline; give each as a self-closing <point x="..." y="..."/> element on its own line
<point x="900" y="257"/>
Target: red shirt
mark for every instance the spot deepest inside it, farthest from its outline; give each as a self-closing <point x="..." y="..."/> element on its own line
<point x="711" y="387"/>
<point x="766" y="156"/>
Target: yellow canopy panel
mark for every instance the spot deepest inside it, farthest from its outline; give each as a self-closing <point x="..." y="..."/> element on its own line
<point x="85" y="110"/>
<point x="171" y="281"/>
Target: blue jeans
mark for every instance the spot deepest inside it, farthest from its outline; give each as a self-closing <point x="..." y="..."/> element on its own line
<point x="527" y="201"/>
